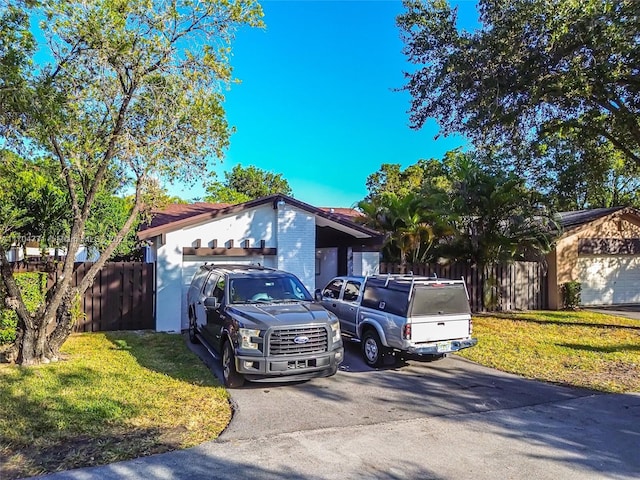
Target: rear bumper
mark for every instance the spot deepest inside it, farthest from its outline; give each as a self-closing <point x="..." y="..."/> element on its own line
<point x="289" y="368"/>
<point x="437" y="348"/>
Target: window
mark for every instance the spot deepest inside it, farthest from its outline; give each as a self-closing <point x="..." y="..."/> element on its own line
<point x="351" y="291"/>
<point x="333" y="289"/>
<point x="199" y="278"/>
<point x="210" y="285"/>
<point x="390" y="300"/>
<point x="440" y="300"/>
<point x="267" y="289"/>
<point x="218" y="291"/>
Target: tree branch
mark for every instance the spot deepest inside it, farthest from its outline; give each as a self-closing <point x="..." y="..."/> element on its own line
<point x="621" y="146"/>
<point x="71" y="185"/>
<point x="106" y="254"/>
<point x="108" y="154"/>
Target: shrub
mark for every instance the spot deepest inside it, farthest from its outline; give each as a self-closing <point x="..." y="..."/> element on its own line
<point x="571" y="295"/>
<point x="8" y="324"/>
<point x="32" y="286"/>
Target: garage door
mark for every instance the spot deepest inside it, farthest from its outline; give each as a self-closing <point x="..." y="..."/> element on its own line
<point x="190" y="264"/>
<point x="609" y="279"/>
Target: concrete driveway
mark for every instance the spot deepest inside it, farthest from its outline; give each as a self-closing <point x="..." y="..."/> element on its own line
<point x="449" y="419"/>
<point x="628" y="311"/>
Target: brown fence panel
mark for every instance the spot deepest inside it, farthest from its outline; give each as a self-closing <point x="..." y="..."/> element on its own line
<point x="121" y="297"/>
<point x="503" y="287"/>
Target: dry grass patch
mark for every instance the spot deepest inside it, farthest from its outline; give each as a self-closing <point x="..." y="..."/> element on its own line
<point x="116" y="396"/>
<point x="582" y="349"/>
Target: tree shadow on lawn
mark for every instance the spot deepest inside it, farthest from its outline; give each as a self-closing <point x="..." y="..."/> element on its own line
<point x="627" y="347"/>
<point x="562" y="321"/>
<point x="43" y="431"/>
<point x="165" y="353"/>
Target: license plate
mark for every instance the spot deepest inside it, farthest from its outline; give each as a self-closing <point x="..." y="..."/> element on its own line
<point x="443" y="346"/>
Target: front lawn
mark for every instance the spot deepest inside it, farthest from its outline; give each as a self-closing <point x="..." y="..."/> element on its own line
<point x="581" y="348"/>
<point x="116" y="396"/>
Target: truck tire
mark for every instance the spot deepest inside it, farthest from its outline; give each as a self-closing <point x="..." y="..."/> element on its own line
<point x="231" y="377"/>
<point x="372" y="349"/>
<point x="192" y="331"/>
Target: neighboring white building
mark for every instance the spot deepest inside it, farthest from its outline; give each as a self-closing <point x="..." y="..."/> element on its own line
<point x="277" y="231"/>
<point x="32" y="251"/>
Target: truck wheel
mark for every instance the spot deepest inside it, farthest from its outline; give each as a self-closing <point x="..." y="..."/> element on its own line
<point x="192" y="331"/>
<point x="231" y="377"/>
<point x="372" y="349"/>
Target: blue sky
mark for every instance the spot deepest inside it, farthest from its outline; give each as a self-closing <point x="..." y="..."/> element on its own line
<point x="316" y="100"/>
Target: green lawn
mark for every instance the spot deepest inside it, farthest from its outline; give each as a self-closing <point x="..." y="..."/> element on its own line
<point x="580" y="348"/>
<point x="116" y="396"/>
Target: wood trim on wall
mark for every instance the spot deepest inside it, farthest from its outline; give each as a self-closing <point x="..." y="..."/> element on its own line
<point x="233" y="252"/>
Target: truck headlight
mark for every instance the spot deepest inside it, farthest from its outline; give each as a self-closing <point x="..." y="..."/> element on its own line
<point x="245" y="339"/>
<point x="335" y="331"/>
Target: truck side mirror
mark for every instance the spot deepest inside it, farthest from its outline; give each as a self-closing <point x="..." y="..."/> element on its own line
<point x="211" y="303"/>
<point x="318" y="295"/>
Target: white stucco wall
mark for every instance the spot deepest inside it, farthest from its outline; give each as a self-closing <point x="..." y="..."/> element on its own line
<point x="169" y="284"/>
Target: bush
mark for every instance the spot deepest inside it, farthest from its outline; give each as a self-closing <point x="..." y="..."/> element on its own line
<point x="32" y="286"/>
<point x="571" y="295"/>
<point x="8" y="324"/>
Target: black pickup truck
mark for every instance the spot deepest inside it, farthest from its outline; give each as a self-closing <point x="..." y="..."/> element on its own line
<point x="263" y="323"/>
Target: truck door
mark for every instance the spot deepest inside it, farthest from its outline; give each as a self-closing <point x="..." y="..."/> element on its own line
<point x="200" y="311"/>
<point x="215" y="316"/>
<point x="348" y="306"/>
<point x="331" y="295"/>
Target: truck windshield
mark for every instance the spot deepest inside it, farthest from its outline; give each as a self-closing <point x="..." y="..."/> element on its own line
<point x="440" y="300"/>
<point x="267" y="289"/>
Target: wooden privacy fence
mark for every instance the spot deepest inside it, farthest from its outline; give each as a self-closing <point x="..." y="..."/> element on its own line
<point x="121" y="297"/>
<point x="514" y="286"/>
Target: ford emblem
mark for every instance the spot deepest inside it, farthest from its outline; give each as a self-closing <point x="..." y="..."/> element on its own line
<point x="300" y="340"/>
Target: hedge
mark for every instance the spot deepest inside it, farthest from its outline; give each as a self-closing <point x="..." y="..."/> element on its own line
<point x="32" y="286"/>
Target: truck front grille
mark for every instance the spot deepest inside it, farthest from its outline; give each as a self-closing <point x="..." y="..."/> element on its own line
<point x="283" y="341"/>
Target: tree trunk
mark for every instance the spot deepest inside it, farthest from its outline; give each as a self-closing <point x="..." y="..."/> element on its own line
<point x="63" y="328"/>
<point x="32" y="346"/>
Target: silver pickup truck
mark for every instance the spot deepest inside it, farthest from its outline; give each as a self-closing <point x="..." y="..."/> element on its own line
<point x="401" y="313"/>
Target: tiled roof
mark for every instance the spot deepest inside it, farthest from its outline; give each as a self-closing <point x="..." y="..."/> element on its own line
<point x="348" y="213"/>
<point x="580" y="217"/>
<point x="180" y="215"/>
<point x="181" y="211"/>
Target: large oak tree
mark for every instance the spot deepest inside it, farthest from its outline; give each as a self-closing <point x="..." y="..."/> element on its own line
<point x="534" y="69"/>
<point x="127" y="86"/>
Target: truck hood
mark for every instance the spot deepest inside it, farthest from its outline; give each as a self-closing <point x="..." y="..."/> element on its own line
<point x="277" y="314"/>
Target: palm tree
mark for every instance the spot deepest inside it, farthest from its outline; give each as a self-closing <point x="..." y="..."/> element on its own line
<point x="412" y="227"/>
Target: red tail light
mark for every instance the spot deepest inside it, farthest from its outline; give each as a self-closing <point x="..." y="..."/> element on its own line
<point x="406" y="332"/>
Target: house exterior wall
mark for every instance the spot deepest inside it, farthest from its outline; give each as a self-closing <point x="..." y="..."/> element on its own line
<point x="366" y="263"/>
<point x="283" y="226"/>
<point x="16" y="254"/>
<point x="296" y="239"/>
<point x="564" y="260"/>
<point x="169" y="284"/>
<point x="326" y="266"/>
<point x="174" y="273"/>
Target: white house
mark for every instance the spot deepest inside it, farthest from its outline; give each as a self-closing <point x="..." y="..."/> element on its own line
<point x="32" y="251"/>
<point x="276" y="231"/>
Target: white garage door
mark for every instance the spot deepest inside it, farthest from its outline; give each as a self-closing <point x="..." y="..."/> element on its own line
<point x="609" y="279"/>
<point x="190" y="264"/>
